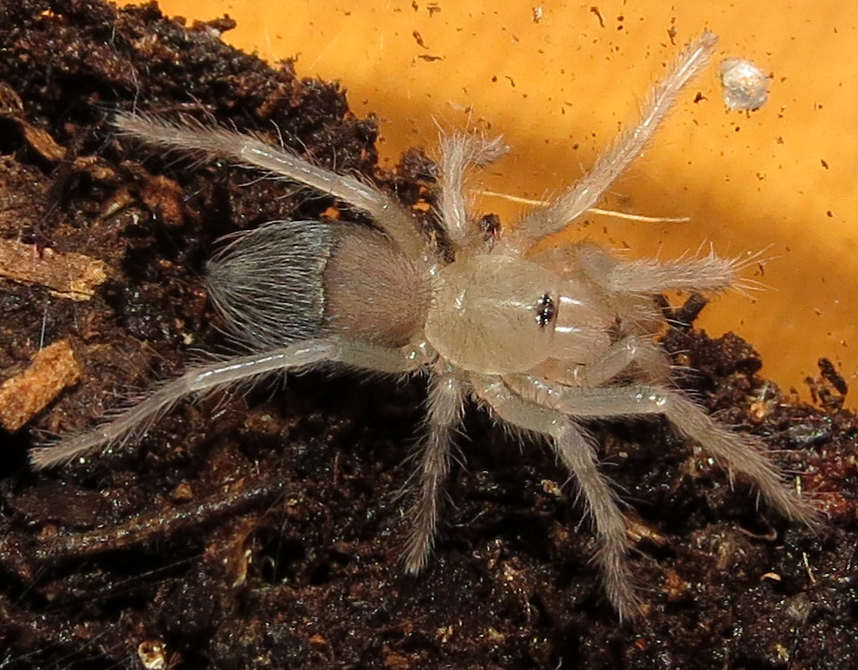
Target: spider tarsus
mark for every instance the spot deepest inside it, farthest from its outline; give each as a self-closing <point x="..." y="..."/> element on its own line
<point x="618" y="580"/>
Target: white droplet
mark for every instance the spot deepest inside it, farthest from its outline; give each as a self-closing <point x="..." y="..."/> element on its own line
<point x="744" y="86"/>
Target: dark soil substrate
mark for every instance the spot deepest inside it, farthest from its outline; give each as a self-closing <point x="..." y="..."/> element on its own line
<point x="263" y="529"/>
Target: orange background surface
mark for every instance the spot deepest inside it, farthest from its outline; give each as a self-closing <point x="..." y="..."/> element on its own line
<point x="781" y="180"/>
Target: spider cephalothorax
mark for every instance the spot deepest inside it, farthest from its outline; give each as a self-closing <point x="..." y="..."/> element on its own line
<point x="542" y="340"/>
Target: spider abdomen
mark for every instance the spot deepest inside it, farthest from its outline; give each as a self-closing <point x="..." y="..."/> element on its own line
<point x="290" y="281"/>
<point x="372" y="291"/>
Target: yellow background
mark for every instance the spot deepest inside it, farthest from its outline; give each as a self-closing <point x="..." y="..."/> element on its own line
<point x="748" y="182"/>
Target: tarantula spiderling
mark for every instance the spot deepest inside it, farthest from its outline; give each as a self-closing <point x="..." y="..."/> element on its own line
<point x="541" y="340"/>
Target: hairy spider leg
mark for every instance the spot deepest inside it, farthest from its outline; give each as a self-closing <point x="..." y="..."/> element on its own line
<point x="459" y="154"/>
<point x="576" y="452"/>
<point x="253" y="152"/>
<point x="740" y="454"/>
<point x="207" y="378"/>
<point x="445" y="409"/>
<point x="706" y="275"/>
<point x="588" y="190"/>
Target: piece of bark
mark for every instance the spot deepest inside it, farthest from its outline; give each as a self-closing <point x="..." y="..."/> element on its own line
<point x="67" y="275"/>
<point x="25" y="395"/>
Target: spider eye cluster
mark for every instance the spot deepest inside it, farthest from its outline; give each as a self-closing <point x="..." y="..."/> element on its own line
<point x="545" y="311"/>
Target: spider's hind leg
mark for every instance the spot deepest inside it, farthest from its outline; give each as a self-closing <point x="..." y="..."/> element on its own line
<point x="250" y="151"/>
<point x="198" y="381"/>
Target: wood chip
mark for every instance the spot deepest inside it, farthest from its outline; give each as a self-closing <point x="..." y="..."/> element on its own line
<point x="67" y="275"/>
<point x="25" y="395"/>
<point x="12" y="108"/>
<point x="42" y="142"/>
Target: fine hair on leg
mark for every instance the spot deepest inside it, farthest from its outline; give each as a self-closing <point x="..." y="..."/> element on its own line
<point x="708" y="274"/>
<point x="575" y="450"/>
<point x="634" y="350"/>
<point x="460" y="153"/>
<point x="739" y="454"/>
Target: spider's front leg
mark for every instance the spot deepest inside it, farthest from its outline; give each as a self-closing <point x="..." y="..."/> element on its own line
<point x="708" y="274"/>
<point x="704" y="274"/>
<point x="575" y="450"/>
<point x="459" y="154"/>
<point x="587" y="192"/>
<point x="204" y="379"/>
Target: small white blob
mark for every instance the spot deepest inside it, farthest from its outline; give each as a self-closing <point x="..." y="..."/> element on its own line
<point x="744" y="86"/>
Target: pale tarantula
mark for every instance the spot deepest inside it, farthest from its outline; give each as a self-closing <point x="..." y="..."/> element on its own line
<point x="542" y="340"/>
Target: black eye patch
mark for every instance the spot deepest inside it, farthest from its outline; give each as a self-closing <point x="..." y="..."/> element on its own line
<point x="545" y="311"/>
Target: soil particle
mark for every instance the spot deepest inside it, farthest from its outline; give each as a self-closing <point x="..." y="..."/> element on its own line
<point x="262" y="529"/>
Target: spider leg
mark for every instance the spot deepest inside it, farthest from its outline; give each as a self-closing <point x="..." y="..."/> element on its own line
<point x="459" y="153"/>
<point x="446" y="399"/>
<point x="253" y="152"/>
<point x="647" y="277"/>
<point x="575" y="450"/>
<point x="707" y="274"/>
<point x="622" y="354"/>
<point x="741" y="454"/>
<point x="206" y="378"/>
<point x="588" y="190"/>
